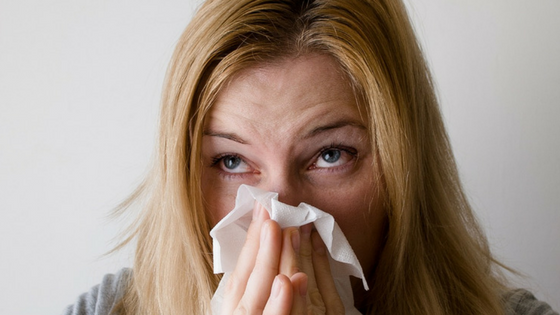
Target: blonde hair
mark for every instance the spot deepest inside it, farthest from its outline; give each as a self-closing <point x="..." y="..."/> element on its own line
<point x="435" y="259"/>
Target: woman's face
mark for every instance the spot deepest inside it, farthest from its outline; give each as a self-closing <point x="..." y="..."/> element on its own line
<point x="294" y="128"/>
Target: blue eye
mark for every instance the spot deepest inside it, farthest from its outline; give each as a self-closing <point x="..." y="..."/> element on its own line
<point x="232" y="164"/>
<point x="333" y="157"/>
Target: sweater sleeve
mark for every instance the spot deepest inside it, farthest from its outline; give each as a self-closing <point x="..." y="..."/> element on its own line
<point x="522" y="302"/>
<point x="101" y="299"/>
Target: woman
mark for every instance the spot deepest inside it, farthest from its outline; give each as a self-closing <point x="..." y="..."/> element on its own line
<point x="328" y="103"/>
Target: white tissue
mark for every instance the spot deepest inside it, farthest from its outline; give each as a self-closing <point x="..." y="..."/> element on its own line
<point x="230" y="233"/>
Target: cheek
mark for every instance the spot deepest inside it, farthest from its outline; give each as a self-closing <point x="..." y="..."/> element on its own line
<point x="363" y="226"/>
<point x="358" y="209"/>
<point x="218" y="198"/>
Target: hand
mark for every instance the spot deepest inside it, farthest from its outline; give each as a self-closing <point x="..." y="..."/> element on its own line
<point x="281" y="272"/>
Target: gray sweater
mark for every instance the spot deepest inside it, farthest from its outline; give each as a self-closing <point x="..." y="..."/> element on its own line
<point x="104" y="296"/>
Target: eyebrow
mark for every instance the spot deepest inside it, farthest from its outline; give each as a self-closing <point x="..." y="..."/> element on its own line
<point x="314" y="132"/>
<point x="229" y="136"/>
<point x="336" y="125"/>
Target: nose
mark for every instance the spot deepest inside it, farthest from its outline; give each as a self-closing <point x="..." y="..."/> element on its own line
<point x="286" y="183"/>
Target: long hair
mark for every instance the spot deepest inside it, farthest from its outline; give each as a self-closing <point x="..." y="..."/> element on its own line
<point x="435" y="259"/>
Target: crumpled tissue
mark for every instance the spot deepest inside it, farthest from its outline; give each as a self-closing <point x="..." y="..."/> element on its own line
<point x="230" y="233"/>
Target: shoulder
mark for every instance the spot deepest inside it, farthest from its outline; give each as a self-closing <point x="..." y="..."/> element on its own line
<point x="103" y="297"/>
<point x="523" y="302"/>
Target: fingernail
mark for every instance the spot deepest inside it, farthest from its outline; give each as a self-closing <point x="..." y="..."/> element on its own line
<point x="276" y="286"/>
<point x="295" y="240"/>
<point x="318" y="245"/>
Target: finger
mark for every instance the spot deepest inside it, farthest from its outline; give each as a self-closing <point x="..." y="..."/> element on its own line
<point x="260" y="281"/>
<point x="314" y="299"/>
<point x="323" y="277"/>
<point x="238" y="279"/>
<point x="290" y="249"/>
<point x="281" y="295"/>
<point x="299" y="300"/>
<point x="305" y="257"/>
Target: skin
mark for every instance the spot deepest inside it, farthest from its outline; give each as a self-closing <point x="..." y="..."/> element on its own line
<point x="292" y="127"/>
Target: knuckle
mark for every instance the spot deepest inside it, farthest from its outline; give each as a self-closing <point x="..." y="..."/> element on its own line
<point x="316" y="310"/>
<point x="252" y="238"/>
<point x="316" y="301"/>
<point x="240" y="310"/>
<point x="264" y="267"/>
<point x="244" y="309"/>
<point x="306" y="252"/>
<point x="234" y="283"/>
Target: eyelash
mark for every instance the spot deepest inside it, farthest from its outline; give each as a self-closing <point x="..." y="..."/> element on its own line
<point x="217" y="159"/>
<point x="340" y="147"/>
<point x="333" y="146"/>
<point x="227" y="175"/>
<point x="348" y="150"/>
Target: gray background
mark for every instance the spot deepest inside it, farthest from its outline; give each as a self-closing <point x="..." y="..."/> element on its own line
<point x="79" y="93"/>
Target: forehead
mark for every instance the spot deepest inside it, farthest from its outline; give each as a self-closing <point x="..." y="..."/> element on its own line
<point x="284" y="93"/>
<point x="315" y="70"/>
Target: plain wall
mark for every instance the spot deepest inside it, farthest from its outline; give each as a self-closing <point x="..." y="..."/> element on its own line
<point x="79" y="93"/>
